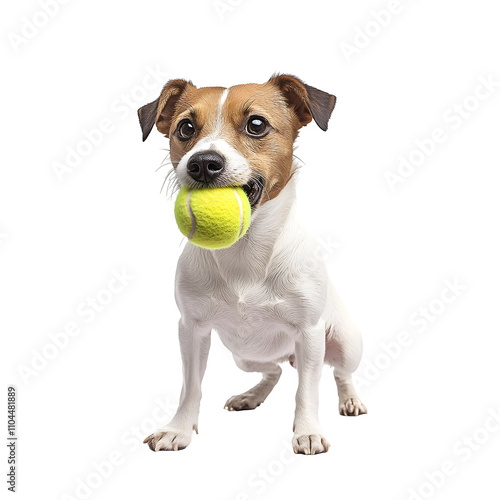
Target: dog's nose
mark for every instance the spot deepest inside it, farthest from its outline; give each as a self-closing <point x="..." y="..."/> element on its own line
<point x="205" y="166"/>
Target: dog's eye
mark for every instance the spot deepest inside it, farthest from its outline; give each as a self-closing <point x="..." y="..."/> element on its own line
<point x="256" y="126"/>
<point x="185" y="130"/>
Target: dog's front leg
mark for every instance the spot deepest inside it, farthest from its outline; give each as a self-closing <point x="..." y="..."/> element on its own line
<point x="176" y="435"/>
<point x="310" y="355"/>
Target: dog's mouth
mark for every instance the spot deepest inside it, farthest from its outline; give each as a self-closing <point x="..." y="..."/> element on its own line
<point x="253" y="190"/>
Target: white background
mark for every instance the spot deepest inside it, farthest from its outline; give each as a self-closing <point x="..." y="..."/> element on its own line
<point x="392" y="250"/>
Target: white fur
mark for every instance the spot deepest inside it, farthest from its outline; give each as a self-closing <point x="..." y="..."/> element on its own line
<point x="237" y="171"/>
<point x="219" y="120"/>
<point x="269" y="299"/>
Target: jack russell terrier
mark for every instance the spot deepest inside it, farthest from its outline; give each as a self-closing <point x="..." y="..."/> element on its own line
<point x="262" y="295"/>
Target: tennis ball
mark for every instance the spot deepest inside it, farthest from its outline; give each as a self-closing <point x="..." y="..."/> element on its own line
<point x="212" y="217"/>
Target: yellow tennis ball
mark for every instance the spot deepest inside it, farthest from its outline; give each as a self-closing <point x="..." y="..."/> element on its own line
<point x="212" y="217"/>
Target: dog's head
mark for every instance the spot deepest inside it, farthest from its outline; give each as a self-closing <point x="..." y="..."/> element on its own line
<point x="240" y="136"/>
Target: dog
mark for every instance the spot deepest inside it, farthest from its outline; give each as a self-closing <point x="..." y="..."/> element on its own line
<point x="266" y="301"/>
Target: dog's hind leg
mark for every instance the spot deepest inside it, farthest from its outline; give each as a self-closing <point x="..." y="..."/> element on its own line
<point x="256" y="395"/>
<point x="344" y="347"/>
<point x="350" y="405"/>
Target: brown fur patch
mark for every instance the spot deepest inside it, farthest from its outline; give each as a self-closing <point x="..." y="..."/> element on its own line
<point x="270" y="156"/>
<point x="201" y="107"/>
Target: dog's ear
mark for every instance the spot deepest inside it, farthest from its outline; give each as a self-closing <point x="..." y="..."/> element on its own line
<point x="307" y="102"/>
<point x="161" y="110"/>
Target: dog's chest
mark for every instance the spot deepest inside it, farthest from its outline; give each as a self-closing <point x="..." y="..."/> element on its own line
<point x="254" y="321"/>
<point x="252" y="304"/>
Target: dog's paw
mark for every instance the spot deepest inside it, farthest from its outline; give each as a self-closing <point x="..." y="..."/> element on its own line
<point x="168" y="439"/>
<point x="244" y="401"/>
<point x="309" y="444"/>
<point x="352" y="407"/>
